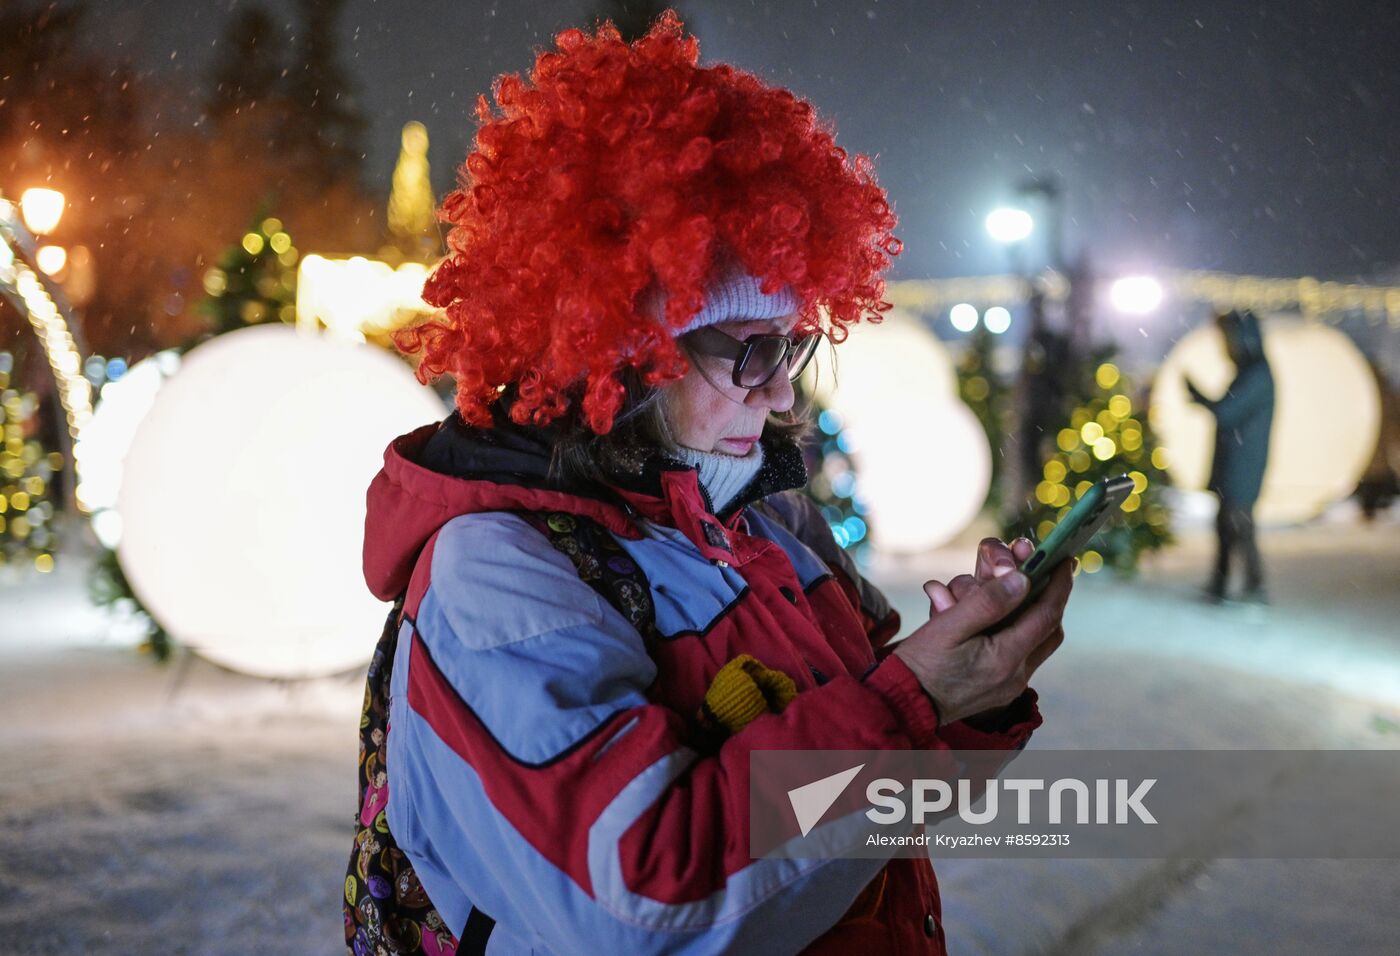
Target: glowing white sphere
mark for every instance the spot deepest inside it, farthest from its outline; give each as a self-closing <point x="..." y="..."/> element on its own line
<point x="882" y="361"/>
<point x="1009" y="225"/>
<point x="102" y="444"/>
<point x="997" y="319"/>
<point x="1135" y="295"/>
<point x="1326" y="415"/>
<point x="923" y="460"/>
<point x="243" y="497"/>
<point x="963" y="316"/>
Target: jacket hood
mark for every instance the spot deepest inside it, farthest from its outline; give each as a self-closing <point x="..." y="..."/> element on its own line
<point x="446" y="469"/>
<point x="1241" y="330"/>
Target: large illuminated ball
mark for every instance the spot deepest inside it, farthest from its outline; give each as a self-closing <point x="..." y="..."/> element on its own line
<point x="243" y="497"/>
<point x="102" y="444"/>
<point x="1326" y="415"/>
<point x="924" y="461"/>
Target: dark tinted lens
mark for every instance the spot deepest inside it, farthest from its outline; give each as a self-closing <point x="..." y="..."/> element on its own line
<point x="802" y="354"/>
<point x="764" y="355"/>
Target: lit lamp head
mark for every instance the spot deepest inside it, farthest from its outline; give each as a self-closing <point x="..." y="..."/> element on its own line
<point x="1009" y="225"/>
<point x="42" y="209"/>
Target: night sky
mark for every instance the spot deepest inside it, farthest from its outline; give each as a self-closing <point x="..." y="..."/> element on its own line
<point x="1255" y="137"/>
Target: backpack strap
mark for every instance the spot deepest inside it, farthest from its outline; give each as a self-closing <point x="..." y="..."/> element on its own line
<point x="602" y="563"/>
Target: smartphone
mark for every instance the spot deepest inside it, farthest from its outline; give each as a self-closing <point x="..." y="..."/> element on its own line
<point x="1088" y="516"/>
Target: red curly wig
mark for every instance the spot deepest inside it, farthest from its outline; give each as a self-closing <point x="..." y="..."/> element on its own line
<point x="619" y="166"/>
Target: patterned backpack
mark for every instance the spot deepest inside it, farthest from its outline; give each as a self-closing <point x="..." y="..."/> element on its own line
<point x="386" y="909"/>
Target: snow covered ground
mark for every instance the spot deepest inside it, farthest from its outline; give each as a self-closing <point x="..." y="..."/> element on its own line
<point x="189" y="810"/>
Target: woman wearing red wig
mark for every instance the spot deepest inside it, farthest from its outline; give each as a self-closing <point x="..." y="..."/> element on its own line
<point x="608" y="588"/>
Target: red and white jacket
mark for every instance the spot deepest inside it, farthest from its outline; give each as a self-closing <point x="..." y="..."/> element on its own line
<point x="541" y="767"/>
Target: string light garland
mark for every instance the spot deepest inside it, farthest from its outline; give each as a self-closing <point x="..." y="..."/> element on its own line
<point x="1314" y="299"/>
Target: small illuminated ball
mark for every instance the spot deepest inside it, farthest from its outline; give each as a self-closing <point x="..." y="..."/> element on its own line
<point x="243" y="497"/>
<point x="1326" y="415"/>
<point x="997" y="319"/>
<point x="923" y="460"/>
<point x="963" y="316"/>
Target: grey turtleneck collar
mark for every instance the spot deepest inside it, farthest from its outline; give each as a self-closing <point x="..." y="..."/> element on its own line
<point x="723" y="476"/>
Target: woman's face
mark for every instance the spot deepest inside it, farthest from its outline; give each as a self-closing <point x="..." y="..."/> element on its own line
<point x="708" y="412"/>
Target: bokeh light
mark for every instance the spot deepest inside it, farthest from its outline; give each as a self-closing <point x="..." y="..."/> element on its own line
<point x="963" y="316"/>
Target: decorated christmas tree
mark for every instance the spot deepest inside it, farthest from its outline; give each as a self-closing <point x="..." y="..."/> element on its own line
<point x="1107" y="435"/>
<point x="984" y="391"/>
<point x="834" y="484"/>
<point x="254" y="282"/>
<point x="26" y="512"/>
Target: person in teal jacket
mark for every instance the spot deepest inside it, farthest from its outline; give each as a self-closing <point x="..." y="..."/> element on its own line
<point x="1243" y="419"/>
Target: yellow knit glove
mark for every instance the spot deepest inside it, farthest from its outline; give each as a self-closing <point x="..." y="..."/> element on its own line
<point x="742" y="690"/>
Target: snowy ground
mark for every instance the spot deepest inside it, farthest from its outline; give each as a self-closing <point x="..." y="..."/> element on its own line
<point x="149" y="810"/>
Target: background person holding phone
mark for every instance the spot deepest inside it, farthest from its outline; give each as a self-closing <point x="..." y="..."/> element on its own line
<point x="1244" y="417"/>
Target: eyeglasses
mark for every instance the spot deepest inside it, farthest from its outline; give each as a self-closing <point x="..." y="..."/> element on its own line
<point x="758" y="357"/>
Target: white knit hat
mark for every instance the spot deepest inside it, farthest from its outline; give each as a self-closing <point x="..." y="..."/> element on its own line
<point x="732" y="296"/>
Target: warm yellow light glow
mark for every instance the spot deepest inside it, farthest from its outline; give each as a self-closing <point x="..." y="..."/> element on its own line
<point x="1091" y="432"/>
<point x="51" y="259"/>
<point x="1316" y="300"/>
<point x="253" y="243"/>
<point x="355" y="296"/>
<point x="48" y="323"/>
<point x="1106" y="375"/>
<point x="42" y="209"/>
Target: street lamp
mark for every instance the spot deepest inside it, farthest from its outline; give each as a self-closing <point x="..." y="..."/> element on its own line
<point x="42" y="209"/>
<point x="1135" y="295"/>
<point x="1008" y="225"/>
<point x="51" y="259"/>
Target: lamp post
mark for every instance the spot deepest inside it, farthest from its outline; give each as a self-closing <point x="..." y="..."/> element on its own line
<point x="1046" y="354"/>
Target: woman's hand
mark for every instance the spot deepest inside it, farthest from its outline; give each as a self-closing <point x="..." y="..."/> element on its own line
<point x="1193" y="391"/>
<point x="963" y="668"/>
